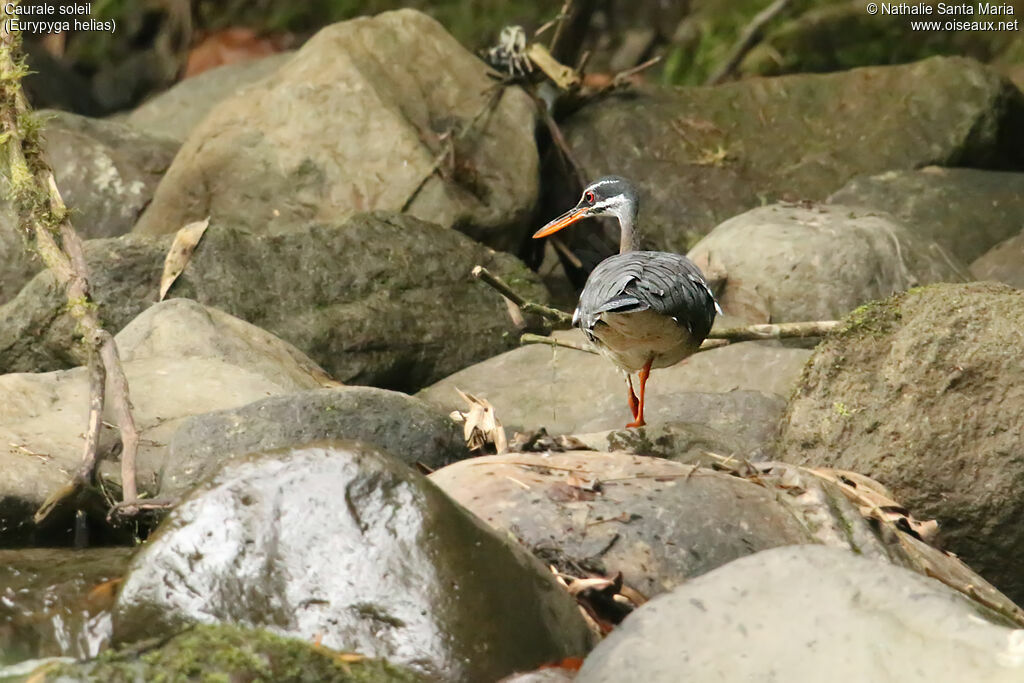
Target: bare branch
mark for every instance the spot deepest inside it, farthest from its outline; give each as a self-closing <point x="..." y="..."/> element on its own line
<point x="800" y="330"/>
<point x="491" y="280"/>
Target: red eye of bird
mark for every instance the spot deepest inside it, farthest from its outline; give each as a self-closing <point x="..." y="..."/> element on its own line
<point x="589" y="197"/>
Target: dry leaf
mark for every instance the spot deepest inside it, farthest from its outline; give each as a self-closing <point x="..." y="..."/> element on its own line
<point x="480" y="425"/>
<point x="185" y="242"/>
<point x="583" y="483"/>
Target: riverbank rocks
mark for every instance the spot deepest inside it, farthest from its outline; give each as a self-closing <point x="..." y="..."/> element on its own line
<point x="106" y="173"/>
<point x="805" y="614"/>
<point x="177" y="110"/>
<point x="736" y="146"/>
<point x="817" y="262"/>
<point x="378" y="299"/>
<point x="923" y="392"/>
<point x="569" y="391"/>
<point x="342" y="543"/>
<point x="964" y="210"/>
<point x="382" y="113"/>
<point x="180" y="359"/>
<point x="406" y="428"/>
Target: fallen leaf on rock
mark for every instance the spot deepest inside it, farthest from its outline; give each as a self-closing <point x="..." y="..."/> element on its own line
<point x="185" y="242"/>
<point x="480" y="425"/>
<point x="592" y="484"/>
<point x="569" y="664"/>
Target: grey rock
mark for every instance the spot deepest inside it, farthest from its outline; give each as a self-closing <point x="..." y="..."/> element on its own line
<point x="177" y="110"/>
<point x="106" y="173"/>
<point x="570" y="392"/>
<point x="658" y="522"/>
<point x="208" y="361"/>
<point x="360" y="132"/>
<point x="701" y="155"/>
<point x="48" y="606"/>
<point x="965" y="210"/>
<point x="378" y="299"/>
<point x="343" y="542"/>
<point x="923" y="392"/>
<point x="789" y="263"/>
<point x="809" y="613"/>
<point x="406" y="428"/>
<point x="1002" y="263"/>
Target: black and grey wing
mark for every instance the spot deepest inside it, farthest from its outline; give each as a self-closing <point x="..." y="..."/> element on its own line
<point x="669" y="284"/>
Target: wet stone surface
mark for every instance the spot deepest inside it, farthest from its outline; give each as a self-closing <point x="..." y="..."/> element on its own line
<point x="340" y="542"/>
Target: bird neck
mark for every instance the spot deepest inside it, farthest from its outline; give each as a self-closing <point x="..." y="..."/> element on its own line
<point x="627" y="230"/>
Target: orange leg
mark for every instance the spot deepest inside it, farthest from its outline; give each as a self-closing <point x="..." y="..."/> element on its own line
<point x="634" y="405"/>
<point x="644" y="373"/>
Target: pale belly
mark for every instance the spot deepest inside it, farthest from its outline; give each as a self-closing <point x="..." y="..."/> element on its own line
<point x="632" y="339"/>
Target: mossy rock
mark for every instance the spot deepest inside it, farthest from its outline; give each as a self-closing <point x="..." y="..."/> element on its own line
<point x="924" y="392"/>
<point x="224" y="653"/>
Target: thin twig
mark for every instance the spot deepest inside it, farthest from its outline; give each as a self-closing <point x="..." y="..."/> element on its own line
<point x="572" y="29"/>
<point x="559" y="139"/>
<point x="800" y="330"/>
<point x="493" y="281"/>
<point x="529" y="338"/>
<point x="448" y="147"/>
<point x="748" y="38"/>
<point x="122" y="406"/>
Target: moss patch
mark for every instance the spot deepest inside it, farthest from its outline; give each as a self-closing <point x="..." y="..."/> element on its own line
<point x="215" y="653"/>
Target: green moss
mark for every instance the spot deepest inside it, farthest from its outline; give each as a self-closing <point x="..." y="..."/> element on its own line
<point x="214" y="653"/>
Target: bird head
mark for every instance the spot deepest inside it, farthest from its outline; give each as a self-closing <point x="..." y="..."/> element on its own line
<point x="607" y="196"/>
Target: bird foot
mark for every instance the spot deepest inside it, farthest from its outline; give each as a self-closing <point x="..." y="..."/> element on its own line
<point x="636" y="423"/>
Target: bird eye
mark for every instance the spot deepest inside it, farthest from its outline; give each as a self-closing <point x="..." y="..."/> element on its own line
<point x="589" y="197"/>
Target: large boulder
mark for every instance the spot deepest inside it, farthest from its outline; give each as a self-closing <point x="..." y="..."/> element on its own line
<point x="180" y="359"/>
<point x="658" y="522"/>
<point x="793" y="262"/>
<point x="57" y="602"/>
<point x="965" y="210"/>
<point x="404" y="427"/>
<point x="379" y="299"/>
<point x="809" y="614"/>
<point x="341" y="542"/>
<point x="176" y="111"/>
<point x="106" y="173"/>
<point x="923" y="392"/>
<point x="383" y="113"/>
<point x="701" y="155"/>
<point x="569" y="391"/>
<point x="1002" y="263"/>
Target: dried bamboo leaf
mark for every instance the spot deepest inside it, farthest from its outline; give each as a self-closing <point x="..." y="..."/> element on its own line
<point x="185" y="242"/>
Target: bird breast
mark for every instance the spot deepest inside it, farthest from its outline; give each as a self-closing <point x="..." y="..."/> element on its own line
<point x="630" y="340"/>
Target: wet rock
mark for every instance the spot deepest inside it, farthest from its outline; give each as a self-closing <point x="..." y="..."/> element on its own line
<point x="379" y="299"/>
<point x="701" y="155"/>
<point x="571" y="392"/>
<point x="1002" y="263"/>
<point x="404" y="427"/>
<point x="342" y="542"/>
<point x="660" y="523"/>
<point x="180" y="358"/>
<point x="176" y="111"/>
<point x="106" y="173"/>
<point x="817" y="262"/>
<point x="809" y="613"/>
<point x="965" y="210"/>
<point x="923" y="392"/>
<point x="232" y="653"/>
<point x="362" y="132"/>
<point x="57" y="602"/>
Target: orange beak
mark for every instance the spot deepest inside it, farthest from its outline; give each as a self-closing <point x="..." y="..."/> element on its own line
<point x="566" y="219"/>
